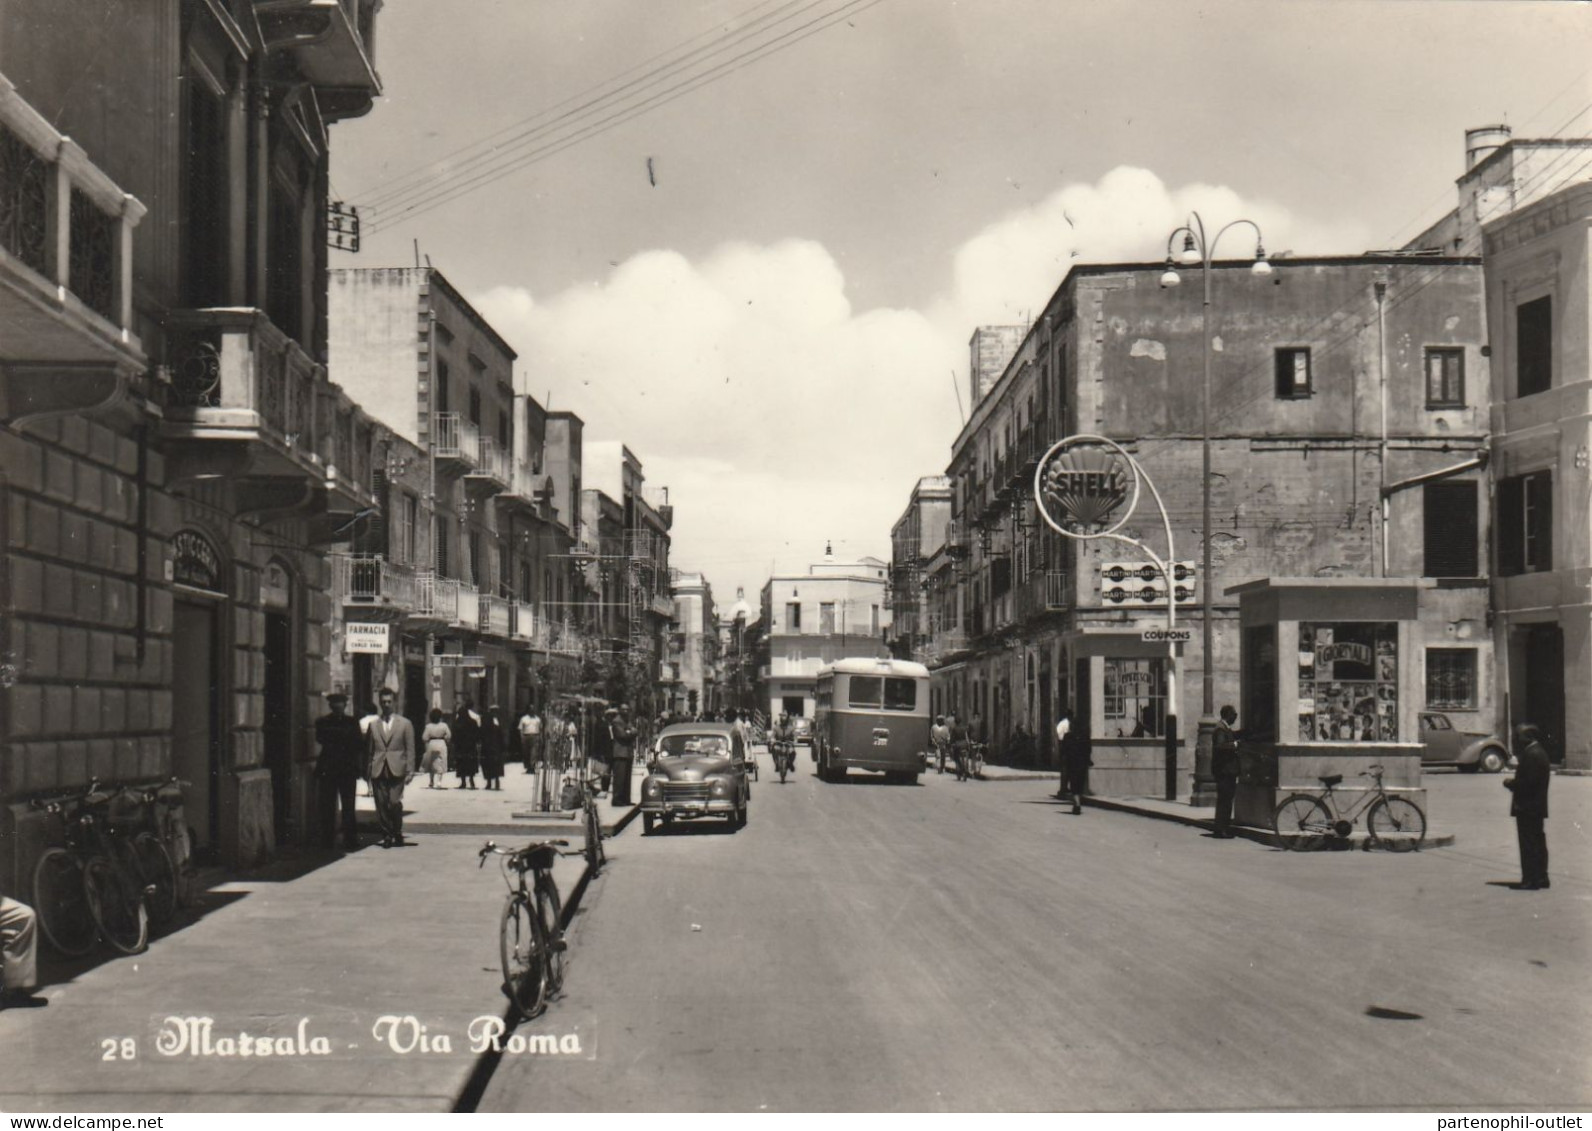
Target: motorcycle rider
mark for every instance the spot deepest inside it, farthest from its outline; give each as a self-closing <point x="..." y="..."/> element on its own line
<point x="784" y="741"/>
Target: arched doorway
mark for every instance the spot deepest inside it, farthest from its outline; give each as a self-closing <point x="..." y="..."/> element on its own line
<point x="200" y="600"/>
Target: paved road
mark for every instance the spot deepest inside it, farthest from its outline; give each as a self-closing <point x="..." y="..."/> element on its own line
<point x="975" y="946"/>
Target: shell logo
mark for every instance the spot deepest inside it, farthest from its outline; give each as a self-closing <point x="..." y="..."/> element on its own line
<point x="1084" y="488"/>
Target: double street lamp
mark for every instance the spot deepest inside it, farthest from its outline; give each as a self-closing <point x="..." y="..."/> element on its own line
<point x="1197" y="249"/>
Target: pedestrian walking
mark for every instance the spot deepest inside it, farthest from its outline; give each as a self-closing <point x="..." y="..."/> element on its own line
<point x="391" y="744"/>
<point x="1224" y="768"/>
<point x="602" y="751"/>
<point x="624" y="736"/>
<point x="1075" y="761"/>
<point x="436" y="738"/>
<point x="338" y="768"/>
<point x="530" y="727"/>
<point x="19" y="955"/>
<point x="492" y="740"/>
<point x="466" y="744"/>
<point x="940" y="739"/>
<point x="1529" y="806"/>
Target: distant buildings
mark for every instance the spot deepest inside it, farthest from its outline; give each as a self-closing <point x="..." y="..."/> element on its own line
<point x="834" y="610"/>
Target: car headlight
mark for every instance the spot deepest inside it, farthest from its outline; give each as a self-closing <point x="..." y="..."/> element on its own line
<point x="720" y="787"/>
<point x="650" y="788"/>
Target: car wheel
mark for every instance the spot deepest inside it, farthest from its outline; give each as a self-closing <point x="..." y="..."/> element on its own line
<point x="1493" y="759"/>
<point x="647" y="823"/>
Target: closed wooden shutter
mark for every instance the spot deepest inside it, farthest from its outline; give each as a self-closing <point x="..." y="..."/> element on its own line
<point x="1451" y="529"/>
<point x="1511" y="526"/>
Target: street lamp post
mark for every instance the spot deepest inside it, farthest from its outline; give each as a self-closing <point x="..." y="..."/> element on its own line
<point x="1198" y="249"/>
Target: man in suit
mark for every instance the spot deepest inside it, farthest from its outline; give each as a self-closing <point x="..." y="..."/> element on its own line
<point x="1529" y="807"/>
<point x="390" y="741"/>
<point x="1224" y="768"/>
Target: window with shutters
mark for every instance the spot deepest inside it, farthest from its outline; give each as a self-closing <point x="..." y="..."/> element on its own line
<point x="826" y="617"/>
<point x="1445" y="377"/>
<point x="442" y="387"/>
<point x="1525" y="523"/>
<point x="1452" y="528"/>
<point x="440" y="543"/>
<point x="477" y="566"/>
<point x="1293" y="373"/>
<point x="475" y="406"/>
<point x="370" y="535"/>
<point x="411" y="529"/>
<point x="1534" y="346"/>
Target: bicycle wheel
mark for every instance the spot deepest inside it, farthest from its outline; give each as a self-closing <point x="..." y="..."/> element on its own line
<point x="1301" y="823"/>
<point x="524" y="954"/>
<point x="117" y="905"/>
<point x="61" y="903"/>
<point x="1396" y="824"/>
<point x="549" y="911"/>
<point x="158" y="872"/>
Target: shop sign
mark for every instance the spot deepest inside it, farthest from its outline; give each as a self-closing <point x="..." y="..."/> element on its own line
<point x="1167" y="635"/>
<point x="458" y="660"/>
<point x="361" y="637"/>
<point x="194" y="561"/>
<point x="1086" y="487"/>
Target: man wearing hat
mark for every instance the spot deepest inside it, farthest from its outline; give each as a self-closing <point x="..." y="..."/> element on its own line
<point x="336" y="771"/>
<point x="624" y="735"/>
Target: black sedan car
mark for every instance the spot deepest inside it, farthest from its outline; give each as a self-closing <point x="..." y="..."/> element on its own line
<point x="695" y="770"/>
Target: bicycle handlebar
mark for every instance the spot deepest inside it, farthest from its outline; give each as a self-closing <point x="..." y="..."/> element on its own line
<point x="491" y="849"/>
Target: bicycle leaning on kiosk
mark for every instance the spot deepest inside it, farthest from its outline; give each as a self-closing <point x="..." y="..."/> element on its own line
<point x="1303" y="822"/>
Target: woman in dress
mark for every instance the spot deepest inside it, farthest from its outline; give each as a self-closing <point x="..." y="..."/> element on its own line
<point x="466" y="745"/>
<point x="492" y="749"/>
<point x="435" y="738"/>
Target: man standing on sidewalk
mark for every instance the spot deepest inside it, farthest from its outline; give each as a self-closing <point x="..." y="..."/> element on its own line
<point x="1529" y="807"/>
<point x="336" y="772"/>
<point x="1224" y="768"/>
<point x="531" y="738"/>
<point x="19" y="955"/>
<point x="391" y="743"/>
<point x="624" y="755"/>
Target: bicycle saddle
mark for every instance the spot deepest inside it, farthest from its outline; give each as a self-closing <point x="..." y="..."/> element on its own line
<point x="1330" y="780"/>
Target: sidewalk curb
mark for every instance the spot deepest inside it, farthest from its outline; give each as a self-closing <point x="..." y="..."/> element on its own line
<point x="1248" y="832"/>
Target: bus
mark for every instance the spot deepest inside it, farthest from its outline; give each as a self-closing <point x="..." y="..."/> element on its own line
<point x="871" y="715"/>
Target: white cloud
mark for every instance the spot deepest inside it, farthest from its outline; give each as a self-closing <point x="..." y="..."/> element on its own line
<point x="778" y="415"/>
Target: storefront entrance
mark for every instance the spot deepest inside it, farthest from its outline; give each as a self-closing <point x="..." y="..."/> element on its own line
<point x="196" y="731"/>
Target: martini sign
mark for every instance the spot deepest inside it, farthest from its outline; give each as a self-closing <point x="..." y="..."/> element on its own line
<point x="1086" y="487"/>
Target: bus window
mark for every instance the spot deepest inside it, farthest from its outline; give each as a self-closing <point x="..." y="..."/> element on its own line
<point x="900" y="694"/>
<point x="865" y="690"/>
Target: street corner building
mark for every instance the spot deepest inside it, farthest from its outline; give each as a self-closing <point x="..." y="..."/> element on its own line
<point x="1415" y="418"/>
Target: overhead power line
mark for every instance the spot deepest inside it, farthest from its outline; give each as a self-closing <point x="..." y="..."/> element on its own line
<point x="444" y="193"/>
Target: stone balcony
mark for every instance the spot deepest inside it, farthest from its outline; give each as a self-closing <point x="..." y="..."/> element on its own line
<point x="66" y="270"/>
<point x="330" y="43"/>
<point x="247" y="404"/>
<point x="495" y="616"/>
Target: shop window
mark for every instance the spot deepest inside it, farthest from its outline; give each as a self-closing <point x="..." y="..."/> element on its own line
<point x="1451" y="529"/>
<point x="1534" y="346"/>
<point x="1451" y="679"/>
<point x="1293" y="374"/>
<point x="1348" y="681"/>
<point x="1525" y="523"/>
<point x="1445" y="377"/>
<point x="1135" y="698"/>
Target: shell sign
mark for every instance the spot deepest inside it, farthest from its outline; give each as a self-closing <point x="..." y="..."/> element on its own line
<point x="1086" y="486"/>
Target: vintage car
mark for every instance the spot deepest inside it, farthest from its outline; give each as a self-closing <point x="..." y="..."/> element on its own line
<point x="1445" y="745"/>
<point x="804" y="730"/>
<point x="695" y="770"/>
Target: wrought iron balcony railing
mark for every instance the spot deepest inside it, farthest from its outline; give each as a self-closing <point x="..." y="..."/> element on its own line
<point x="436" y="597"/>
<point x="491" y="470"/>
<point x="469" y="614"/>
<point x="455" y="439"/>
<point x="371" y="581"/>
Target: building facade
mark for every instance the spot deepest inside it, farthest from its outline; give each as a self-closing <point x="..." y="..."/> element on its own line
<point x="834" y="610"/>
<point x="694" y="645"/>
<point x="176" y="457"/>
<point x="917" y="534"/>
<point x="1348" y="424"/>
<point x="1539" y="271"/>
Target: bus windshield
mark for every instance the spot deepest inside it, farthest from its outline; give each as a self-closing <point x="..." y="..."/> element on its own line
<point x="892" y="693"/>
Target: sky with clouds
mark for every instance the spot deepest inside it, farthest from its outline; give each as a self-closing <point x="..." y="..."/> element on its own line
<point x="765" y="286"/>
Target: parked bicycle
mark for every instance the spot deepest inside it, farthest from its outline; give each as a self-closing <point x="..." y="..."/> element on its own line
<point x="1303" y="821"/>
<point x="104" y="869"/>
<point x="530" y="928"/>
